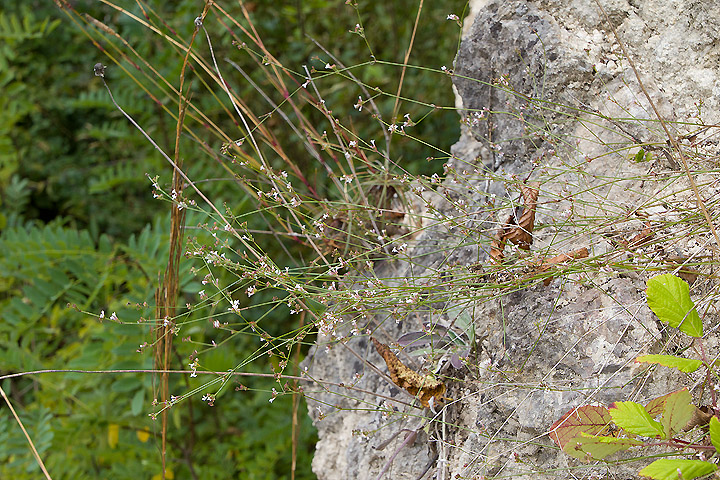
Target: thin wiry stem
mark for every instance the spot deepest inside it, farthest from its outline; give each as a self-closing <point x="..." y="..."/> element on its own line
<point x="100" y="72"/>
<point x="27" y="436"/>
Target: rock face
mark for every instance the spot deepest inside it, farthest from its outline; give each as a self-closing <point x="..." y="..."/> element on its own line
<point x="546" y="94"/>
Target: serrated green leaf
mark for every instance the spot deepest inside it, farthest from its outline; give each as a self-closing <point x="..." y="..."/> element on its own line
<point x="590" y="448"/>
<point x="669" y="298"/>
<point x="686" y="365"/>
<point x="678" y="412"/>
<point x="668" y="469"/>
<point x="633" y="418"/>
<point x="715" y="432"/>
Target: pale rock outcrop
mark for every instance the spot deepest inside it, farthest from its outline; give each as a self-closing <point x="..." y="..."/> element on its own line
<point x="537" y="82"/>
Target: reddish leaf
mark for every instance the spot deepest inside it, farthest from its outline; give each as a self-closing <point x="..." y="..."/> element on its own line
<point x="656" y="406"/>
<point x="643" y="237"/>
<point x="590" y="419"/>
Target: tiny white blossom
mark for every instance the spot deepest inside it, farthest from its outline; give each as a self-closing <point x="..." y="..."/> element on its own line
<point x="234" y="306"/>
<point x="359" y="105"/>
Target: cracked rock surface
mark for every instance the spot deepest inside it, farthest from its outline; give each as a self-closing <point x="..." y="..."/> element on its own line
<point x="547" y="94"/>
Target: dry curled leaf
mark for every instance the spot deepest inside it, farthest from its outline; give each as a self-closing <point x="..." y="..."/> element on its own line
<point x="519" y="227"/>
<point x="424" y="387"/>
<point x="641" y="238"/>
<point x="564" y="257"/>
<point x="700" y="418"/>
<point x="687" y="274"/>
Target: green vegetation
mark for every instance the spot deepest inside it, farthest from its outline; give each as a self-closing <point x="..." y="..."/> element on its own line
<point x="592" y="432"/>
<point x="179" y="227"/>
<point x="87" y="231"/>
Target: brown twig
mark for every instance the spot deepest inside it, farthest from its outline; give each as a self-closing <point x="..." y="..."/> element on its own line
<point x="167" y="292"/>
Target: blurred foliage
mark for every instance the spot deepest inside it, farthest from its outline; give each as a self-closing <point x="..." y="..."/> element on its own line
<point x="81" y="233"/>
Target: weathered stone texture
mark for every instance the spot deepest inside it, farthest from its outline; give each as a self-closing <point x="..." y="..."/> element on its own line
<point x="557" y="71"/>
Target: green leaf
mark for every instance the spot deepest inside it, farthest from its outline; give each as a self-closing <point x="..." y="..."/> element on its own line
<point x="136" y="405"/>
<point x="640" y="156"/>
<point x="715" y="432"/>
<point x="678" y="412"/>
<point x="683" y="364"/>
<point x="668" y="469"/>
<point x="633" y="418"/>
<point x="589" y="447"/>
<point x="669" y="298"/>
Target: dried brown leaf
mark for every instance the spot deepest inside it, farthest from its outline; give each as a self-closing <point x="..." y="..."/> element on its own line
<point x="519" y="227"/>
<point x="496" y="250"/>
<point x="643" y="237"/>
<point x="424" y="387"/>
<point x="701" y="417"/>
<point x="686" y="273"/>
<point x="563" y="257"/>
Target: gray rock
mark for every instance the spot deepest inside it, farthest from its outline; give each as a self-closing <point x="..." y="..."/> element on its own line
<point x="537" y="82"/>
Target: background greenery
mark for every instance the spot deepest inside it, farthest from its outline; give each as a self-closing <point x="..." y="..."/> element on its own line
<point x="82" y="233"/>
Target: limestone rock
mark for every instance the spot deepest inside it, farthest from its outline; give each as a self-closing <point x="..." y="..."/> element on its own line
<point x="546" y="94"/>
